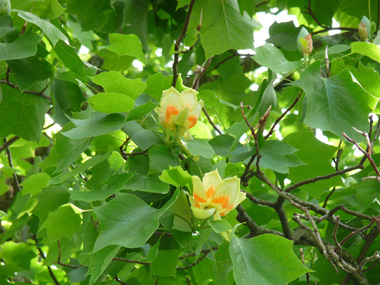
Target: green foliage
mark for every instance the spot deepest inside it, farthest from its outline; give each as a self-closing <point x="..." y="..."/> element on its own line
<point x="96" y="175"/>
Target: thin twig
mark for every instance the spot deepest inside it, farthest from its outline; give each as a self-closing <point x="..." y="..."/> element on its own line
<point x="178" y="43"/>
<point x="282" y="116"/>
<point x="130" y="260"/>
<point x="119" y="281"/>
<point x="8" y="143"/>
<point x="59" y="259"/>
<point x="51" y="273"/>
<point x="15" y="178"/>
<point x="211" y="122"/>
<point x="303" y="262"/>
<point x="322" y="177"/>
<point x="14" y="86"/>
<point x="194" y="263"/>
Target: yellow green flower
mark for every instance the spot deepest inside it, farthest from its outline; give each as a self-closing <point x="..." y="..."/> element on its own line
<point x="179" y="110"/>
<point x="214" y="196"/>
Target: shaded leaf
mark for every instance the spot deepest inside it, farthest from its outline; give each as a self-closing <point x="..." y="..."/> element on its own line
<point x="248" y="256"/>
<point x="111" y="102"/>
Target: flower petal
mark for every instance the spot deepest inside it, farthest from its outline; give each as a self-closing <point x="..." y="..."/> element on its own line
<point x="199" y="192"/>
<point x="202" y="213"/>
<point x="189" y="98"/>
<point x="171" y="97"/>
<point x="211" y="180"/>
<point x="230" y="188"/>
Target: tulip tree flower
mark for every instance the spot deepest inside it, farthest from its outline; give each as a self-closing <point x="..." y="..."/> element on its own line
<point x="214" y="196"/>
<point x="179" y="111"/>
<point x="304" y="42"/>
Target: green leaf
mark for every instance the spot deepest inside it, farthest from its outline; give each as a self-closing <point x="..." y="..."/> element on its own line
<point x="317" y="157"/>
<point x="29" y="70"/>
<point x="114" y="184"/>
<point x="182" y="217"/>
<point x="336" y="104"/>
<point x="34" y="183"/>
<point x="127" y="221"/>
<point x="161" y="157"/>
<point x="269" y="98"/>
<point x="27" y="116"/>
<point x="49" y="200"/>
<point x="96" y="125"/>
<point x="225" y="28"/>
<point x="69" y="57"/>
<point x="149" y="184"/>
<point x="199" y="147"/>
<point x="176" y="176"/>
<point x="222" y="144"/>
<point x="368" y="191"/>
<point x="100" y="260"/>
<point x="167" y="258"/>
<point x="279" y="156"/>
<point x="141" y="110"/>
<point x="273" y="58"/>
<point x="248" y="255"/>
<point x="367" y="49"/>
<point x="143" y="138"/>
<point x="23" y="47"/>
<point x="68" y="95"/>
<point x="63" y="222"/>
<point x="283" y="35"/>
<point x="110" y="102"/>
<point x="157" y="83"/>
<point x="114" y="81"/>
<point x="126" y="45"/>
<point x="219" y="226"/>
<point x="71" y="173"/>
<point x="51" y="31"/>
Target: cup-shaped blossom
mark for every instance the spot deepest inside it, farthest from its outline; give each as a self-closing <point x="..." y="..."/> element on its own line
<point x="304" y="42"/>
<point x="364" y="29"/>
<point x="214" y="196"/>
<point x="179" y="110"/>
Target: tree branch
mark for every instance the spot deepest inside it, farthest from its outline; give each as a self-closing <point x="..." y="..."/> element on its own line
<point x="178" y="43"/>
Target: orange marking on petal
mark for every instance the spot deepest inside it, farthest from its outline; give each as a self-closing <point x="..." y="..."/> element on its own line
<point x="193" y="120"/>
<point x="199" y="199"/>
<point x="224" y="201"/>
<point x="170" y="110"/>
<point x="210" y="192"/>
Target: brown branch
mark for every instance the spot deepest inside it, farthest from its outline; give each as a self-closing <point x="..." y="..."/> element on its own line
<point x="119" y="281"/>
<point x="130" y="261"/>
<point x="282" y="116"/>
<point x="51" y="273"/>
<point x="8" y="143"/>
<point x="322" y="177"/>
<point x="283" y="217"/>
<point x="194" y="263"/>
<point x="303" y="262"/>
<point x="366" y="153"/>
<point x="199" y="75"/>
<point x="14" y="86"/>
<point x="15" y="178"/>
<point x="261" y="3"/>
<point x="178" y="43"/>
<point x="59" y="259"/>
<point x="211" y="122"/>
<point x="356" y="232"/>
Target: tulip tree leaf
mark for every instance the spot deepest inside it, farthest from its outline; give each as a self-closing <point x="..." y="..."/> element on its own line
<point x="147" y="184"/>
<point x="114" y="81"/>
<point x="128" y="221"/>
<point x="225" y="28"/>
<point x="367" y="49"/>
<point x="34" y="183"/>
<point x="279" y="156"/>
<point x="27" y="117"/>
<point x="63" y="222"/>
<point x="143" y="138"/>
<point x="23" y="47"/>
<point x="100" y="260"/>
<point x="336" y="104"/>
<point x="317" y="157"/>
<point x="256" y="259"/>
<point x="273" y="58"/>
<point x="199" y="147"/>
<point x="111" y="102"/>
<point x="51" y="31"/>
<point x="176" y="176"/>
<point x="98" y="124"/>
<point x="161" y="157"/>
<point x="126" y="45"/>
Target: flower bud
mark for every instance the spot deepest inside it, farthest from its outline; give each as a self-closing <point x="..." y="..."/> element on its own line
<point x="364" y="29"/>
<point x="179" y="111"/>
<point x="304" y="42"/>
